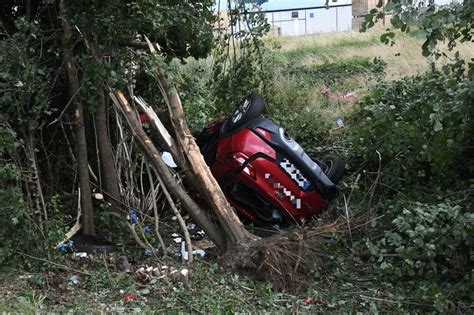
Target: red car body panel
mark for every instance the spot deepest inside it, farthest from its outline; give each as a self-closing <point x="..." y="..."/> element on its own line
<point x="263" y="175"/>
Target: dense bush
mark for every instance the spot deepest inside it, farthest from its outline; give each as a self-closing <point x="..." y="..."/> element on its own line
<point x="422" y="126"/>
<point x="428" y="249"/>
<point x="427" y="241"/>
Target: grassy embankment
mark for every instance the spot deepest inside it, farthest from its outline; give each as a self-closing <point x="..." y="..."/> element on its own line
<point x="301" y="72"/>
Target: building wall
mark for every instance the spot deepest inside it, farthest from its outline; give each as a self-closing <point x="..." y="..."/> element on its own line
<point x="311" y="21"/>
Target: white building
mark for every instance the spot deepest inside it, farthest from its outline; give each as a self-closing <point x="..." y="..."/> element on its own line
<point x="293" y="18"/>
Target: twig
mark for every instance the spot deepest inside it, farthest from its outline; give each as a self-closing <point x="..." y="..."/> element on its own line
<point x="346" y="206"/>
<point x="107" y="269"/>
<point x="352" y="188"/>
<point x="77" y="226"/>
<point x="393" y="302"/>
<point x="155" y="212"/>
<point x="374" y="185"/>
<point x="66" y="107"/>
<point x="53" y="263"/>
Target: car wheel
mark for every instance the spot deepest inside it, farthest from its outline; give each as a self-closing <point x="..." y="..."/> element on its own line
<point x="251" y="107"/>
<point x="334" y="168"/>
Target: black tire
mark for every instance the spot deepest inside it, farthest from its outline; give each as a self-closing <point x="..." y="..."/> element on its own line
<point x="334" y="168"/>
<point x="251" y="107"/>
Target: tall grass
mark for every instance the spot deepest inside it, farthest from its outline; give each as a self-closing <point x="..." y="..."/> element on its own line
<point x="403" y="58"/>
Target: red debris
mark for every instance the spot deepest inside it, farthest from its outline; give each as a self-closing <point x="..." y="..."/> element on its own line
<point x="129" y="297"/>
<point x="308" y="299"/>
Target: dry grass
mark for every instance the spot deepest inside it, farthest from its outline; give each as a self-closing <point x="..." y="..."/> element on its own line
<point x="332" y="47"/>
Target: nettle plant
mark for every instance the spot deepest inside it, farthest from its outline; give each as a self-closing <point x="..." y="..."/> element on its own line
<point x="428" y="242"/>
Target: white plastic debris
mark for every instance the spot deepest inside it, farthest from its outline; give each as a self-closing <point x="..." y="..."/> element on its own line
<point x="98" y="196"/>
<point x="185" y="253"/>
<point x="340" y="122"/>
<point x="168" y="159"/>
<point x="177" y="240"/>
<point x="80" y="255"/>
<point x="74" y="279"/>
<point x="191" y="226"/>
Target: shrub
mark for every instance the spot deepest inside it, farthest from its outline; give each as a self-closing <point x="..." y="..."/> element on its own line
<point x="428" y="248"/>
<point x="422" y="126"/>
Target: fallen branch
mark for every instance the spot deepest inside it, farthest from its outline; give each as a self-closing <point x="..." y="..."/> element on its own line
<point x="155" y="212"/>
<point x="236" y="235"/>
<point x="55" y="264"/>
<point x="164" y="172"/>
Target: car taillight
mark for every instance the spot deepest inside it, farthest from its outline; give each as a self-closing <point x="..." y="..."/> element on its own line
<point x="249" y="171"/>
<point x="240" y="159"/>
<point x="264" y="133"/>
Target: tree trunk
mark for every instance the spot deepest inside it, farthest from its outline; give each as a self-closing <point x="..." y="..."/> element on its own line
<point x="108" y="171"/>
<point x="235" y="233"/>
<point x="162" y="170"/>
<point x="88" y="227"/>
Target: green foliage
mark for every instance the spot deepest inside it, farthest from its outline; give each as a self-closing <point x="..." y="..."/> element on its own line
<point x="452" y="23"/>
<point x="239" y="66"/>
<point x="429" y="246"/>
<point x="422" y="128"/>
<point x="25" y="79"/>
<point x="181" y="28"/>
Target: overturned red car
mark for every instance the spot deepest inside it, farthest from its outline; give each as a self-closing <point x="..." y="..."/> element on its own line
<point x="264" y="173"/>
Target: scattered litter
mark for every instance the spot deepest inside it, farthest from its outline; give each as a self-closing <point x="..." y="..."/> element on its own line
<point x="146" y="229"/>
<point x="175" y="235"/>
<point x="79" y="255"/>
<point x="65" y="247"/>
<point x="129" y="297"/>
<point x="74" y="279"/>
<point x="177" y="240"/>
<point x="185" y="253"/>
<point x="147" y="252"/>
<point x="340" y="122"/>
<point x="199" y="235"/>
<point x="98" y="196"/>
<point x="132" y="217"/>
<point x="309" y="300"/>
<point x="325" y="90"/>
<point x="174" y="218"/>
<point x="168" y="159"/>
<point x="153" y="274"/>
<point x="351" y="95"/>
<point x="191" y="226"/>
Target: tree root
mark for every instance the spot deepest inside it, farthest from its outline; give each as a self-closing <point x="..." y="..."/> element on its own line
<point x="281" y="260"/>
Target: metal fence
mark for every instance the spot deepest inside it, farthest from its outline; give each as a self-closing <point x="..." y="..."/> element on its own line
<point x="295" y="22"/>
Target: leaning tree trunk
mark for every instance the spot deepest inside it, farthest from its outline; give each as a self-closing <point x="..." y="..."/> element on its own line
<point x="88" y="227"/>
<point x="107" y="165"/>
<point x="234" y="231"/>
<point x="164" y="172"/>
